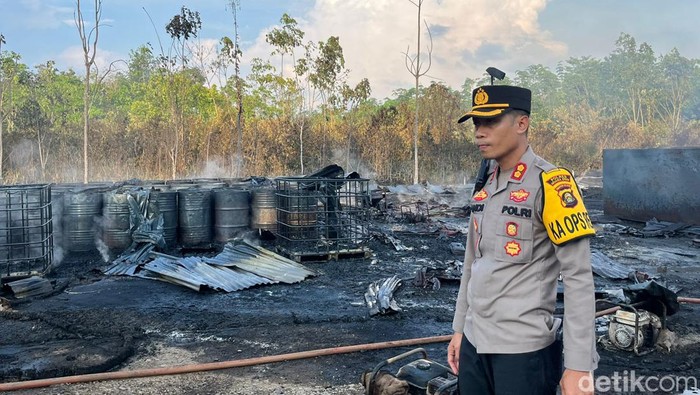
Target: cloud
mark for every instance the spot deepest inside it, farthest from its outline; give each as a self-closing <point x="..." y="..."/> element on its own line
<point x="467" y="38"/>
<point x="72" y="57"/>
<point x="40" y="15"/>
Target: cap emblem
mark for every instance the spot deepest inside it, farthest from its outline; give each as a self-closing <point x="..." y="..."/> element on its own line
<point x="481" y="97"/>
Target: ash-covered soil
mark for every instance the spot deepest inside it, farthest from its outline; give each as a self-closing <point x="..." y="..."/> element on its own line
<point x="96" y="323"/>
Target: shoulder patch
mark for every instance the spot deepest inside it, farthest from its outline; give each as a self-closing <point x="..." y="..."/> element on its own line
<point x="563" y="212"/>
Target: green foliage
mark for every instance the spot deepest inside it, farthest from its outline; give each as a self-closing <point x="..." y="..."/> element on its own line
<point x="155" y="119"/>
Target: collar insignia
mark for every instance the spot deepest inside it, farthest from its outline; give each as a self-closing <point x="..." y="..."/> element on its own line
<point x="518" y="171"/>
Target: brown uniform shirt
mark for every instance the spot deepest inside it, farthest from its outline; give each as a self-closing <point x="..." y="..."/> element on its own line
<point x="508" y="291"/>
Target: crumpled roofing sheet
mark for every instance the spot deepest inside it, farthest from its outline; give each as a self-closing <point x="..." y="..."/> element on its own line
<point x="236" y="267"/>
<point x="193" y="273"/>
<point x="262" y="262"/>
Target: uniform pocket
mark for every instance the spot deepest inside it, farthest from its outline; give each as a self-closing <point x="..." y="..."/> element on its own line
<point x="513" y="239"/>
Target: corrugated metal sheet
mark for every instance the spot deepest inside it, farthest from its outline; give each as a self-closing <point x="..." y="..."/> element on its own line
<point x="193" y="273"/>
<point x="28" y="287"/>
<point x="262" y="262"/>
<point x="607" y="268"/>
<point x="237" y="267"/>
<point x="128" y="263"/>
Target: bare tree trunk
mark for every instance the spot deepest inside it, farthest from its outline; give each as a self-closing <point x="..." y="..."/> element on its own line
<point x="2" y="118"/>
<point x="1" y="133"/>
<point x="415" y="119"/>
<point x="301" y="145"/>
<point x="86" y="121"/>
<point x="415" y="67"/>
<point x="89" y="61"/>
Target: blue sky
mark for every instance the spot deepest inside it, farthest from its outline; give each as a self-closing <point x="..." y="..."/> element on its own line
<point x="468" y="35"/>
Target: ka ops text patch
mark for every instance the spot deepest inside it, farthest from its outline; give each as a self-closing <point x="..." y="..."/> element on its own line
<point x="563" y="212"/>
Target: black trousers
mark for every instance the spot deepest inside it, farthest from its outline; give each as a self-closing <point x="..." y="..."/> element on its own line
<point x="532" y="373"/>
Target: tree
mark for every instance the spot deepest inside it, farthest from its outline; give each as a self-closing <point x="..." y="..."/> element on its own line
<point x="89" y="44"/>
<point x="285" y="39"/>
<point x="415" y="67"/>
<point x="353" y="98"/>
<point x="2" y="115"/>
<point x="326" y="73"/>
<point x="232" y="51"/>
<point x="181" y="27"/>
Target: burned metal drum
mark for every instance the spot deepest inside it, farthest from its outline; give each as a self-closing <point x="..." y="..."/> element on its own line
<point x="116" y="223"/>
<point x="167" y="205"/>
<point x="80" y="211"/>
<point x="210" y="184"/>
<point x="264" y="210"/>
<point x="194" y="217"/>
<point x="231" y="213"/>
<point x="297" y="214"/>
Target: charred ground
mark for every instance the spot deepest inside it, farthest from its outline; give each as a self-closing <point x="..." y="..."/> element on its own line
<point x="94" y="323"/>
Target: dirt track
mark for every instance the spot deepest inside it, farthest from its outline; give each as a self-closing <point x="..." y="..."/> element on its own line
<point x="97" y="323"/>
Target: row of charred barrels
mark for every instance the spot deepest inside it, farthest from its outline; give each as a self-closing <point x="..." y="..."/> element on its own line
<point x="193" y="215"/>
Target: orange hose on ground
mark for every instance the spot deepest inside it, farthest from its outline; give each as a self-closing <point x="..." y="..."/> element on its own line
<point x="128" y="374"/>
<point x="682" y="299"/>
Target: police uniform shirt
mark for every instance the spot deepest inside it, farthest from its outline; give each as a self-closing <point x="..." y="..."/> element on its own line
<point x="508" y="291"/>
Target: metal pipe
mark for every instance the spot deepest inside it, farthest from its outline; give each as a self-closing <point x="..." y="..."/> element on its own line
<point x="607" y="311"/>
<point x="611" y="310"/>
<point x="129" y="374"/>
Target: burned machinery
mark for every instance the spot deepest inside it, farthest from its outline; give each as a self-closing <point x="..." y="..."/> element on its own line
<point x="421" y="376"/>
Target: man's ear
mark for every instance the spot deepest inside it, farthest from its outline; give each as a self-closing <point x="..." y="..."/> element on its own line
<point x="523" y="122"/>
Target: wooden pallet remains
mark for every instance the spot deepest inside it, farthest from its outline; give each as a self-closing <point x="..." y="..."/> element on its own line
<point x="324" y="256"/>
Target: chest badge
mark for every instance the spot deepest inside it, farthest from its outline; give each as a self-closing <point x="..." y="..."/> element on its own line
<point x="512" y="248"/>
<point x="519" y="196"/>
<point x="512" y="229"/>
<point x="518" y="171"/>
<point x="481" y="195"/>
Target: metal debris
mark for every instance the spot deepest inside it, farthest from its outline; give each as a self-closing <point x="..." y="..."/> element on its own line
<point x="380" y="296"/>
<point x="129" y="262"/>
<point x="389" y="239"/>
<point x="237" y="267"/>
<point x="262" y="262"/>
<point x="655" y="228"/>
<point x="607" y="268"/>
<point x="457" y="248"/>
<point x="28" y="287"/>
<point x="193" y="273"/>
<point x="426" y="277"/>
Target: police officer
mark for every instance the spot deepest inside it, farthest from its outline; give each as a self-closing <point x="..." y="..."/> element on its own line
<point x="528" y="225"/>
